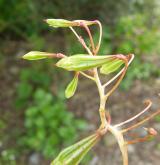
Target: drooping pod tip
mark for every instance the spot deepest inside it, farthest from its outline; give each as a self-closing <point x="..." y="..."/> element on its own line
<point x="151" y="131"/>
<point x="130" y="56"/>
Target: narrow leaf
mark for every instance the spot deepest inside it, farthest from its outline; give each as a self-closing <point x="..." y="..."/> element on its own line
<point x="111" y="66"/>
<point x="36" y="55"/>
<point x="83" y="62"/>
<point x="75" y="153"/>
<point x="72" y="86"/>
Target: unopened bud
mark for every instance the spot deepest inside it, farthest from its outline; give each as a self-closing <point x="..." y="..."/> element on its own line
<point x="36" y="55"/>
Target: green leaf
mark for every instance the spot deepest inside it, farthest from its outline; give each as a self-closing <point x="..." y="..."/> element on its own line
<point x="83" y="62"/>
<point x="72" y="86"/>
<point x="74" y="154"/>
<point x="36" y="55"/>
<point x="111" y="66"/>
<point x="65" y="23"/>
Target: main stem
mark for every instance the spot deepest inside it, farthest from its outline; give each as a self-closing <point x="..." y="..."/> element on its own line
<point x="103" y="99"/>
<point x="105" y="125"/>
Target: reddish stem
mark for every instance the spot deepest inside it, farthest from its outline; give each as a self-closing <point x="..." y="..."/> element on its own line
<point x="122" y="57"/>
<point x="90" y="36"/>
<point x="134" y="117"/>
<point x="57" y="55"/>
<point x="141" y="122"/>
<point x="143" y="139"/>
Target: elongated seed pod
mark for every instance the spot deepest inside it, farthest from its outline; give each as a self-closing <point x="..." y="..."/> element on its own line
<point x="83" y="62"/>
<point x="56" y="23"/>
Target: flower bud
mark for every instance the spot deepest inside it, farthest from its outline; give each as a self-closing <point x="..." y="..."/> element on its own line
<point x="36" y="55"/>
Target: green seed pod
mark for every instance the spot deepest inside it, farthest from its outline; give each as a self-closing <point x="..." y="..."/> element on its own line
<point x="72" y="86"/>
<point x="36" y="55"/>
<point x="65" y="23"/>
<point x="112" y="66"/>
<point x="75" y="153"/>
<point x="61" y="23"/>
<point x="83" y="62"/>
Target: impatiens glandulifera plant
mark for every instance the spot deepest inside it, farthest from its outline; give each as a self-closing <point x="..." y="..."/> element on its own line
<point x="90" y="65"/>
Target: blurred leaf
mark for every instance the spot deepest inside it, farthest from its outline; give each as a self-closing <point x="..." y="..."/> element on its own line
<point x="2" y="124"/>
<point x="81" y="124"/>
<point x="24" y="90"/>
<point x="72" y="86"/>
<point x="37" y="41"/>
<point x="112" y="66"/>
<point x="44" y="120"/>
<point x="75" y="153"/>
<point x="157" y="118"/>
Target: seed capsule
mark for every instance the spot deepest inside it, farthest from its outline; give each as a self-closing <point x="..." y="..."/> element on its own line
<point x="66" y="23"/>
<point x="83" y="62"/>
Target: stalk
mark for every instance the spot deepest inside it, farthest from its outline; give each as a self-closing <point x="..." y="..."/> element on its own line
<point x="81" y="40"/>
<point x="121" y="142"/>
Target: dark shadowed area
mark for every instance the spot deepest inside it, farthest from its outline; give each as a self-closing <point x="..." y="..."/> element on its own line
<point x="36" y="120"/>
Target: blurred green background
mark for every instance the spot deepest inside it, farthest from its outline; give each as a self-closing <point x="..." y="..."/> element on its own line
<point x="36" y="121"/>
